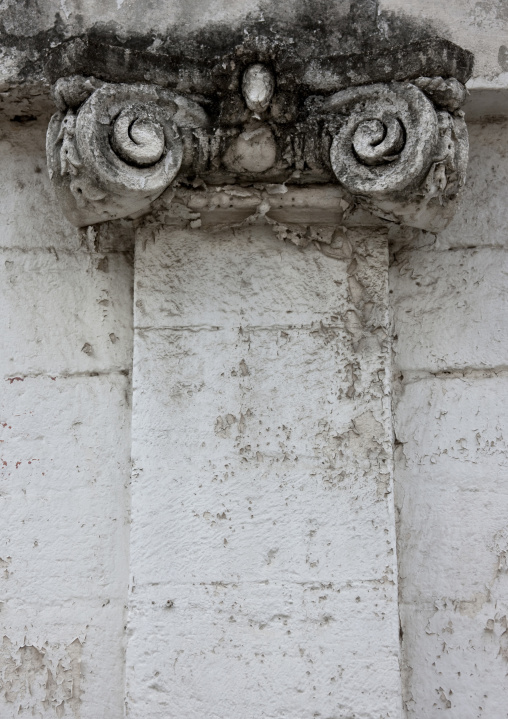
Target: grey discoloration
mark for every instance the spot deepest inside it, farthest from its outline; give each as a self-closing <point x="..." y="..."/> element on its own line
<point x="161" y="41"/>
<point x="239" y="102"/>
<point x="502" y="58"/>
<point x="318" y="67"/>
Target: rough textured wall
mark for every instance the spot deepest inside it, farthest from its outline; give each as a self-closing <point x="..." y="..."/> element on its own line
<point x="66" y="337"/>
<point x="450" y="307"/>
<point x="262" y="542"/>
<point x="478" y="25"/>
<point x="65" y="425"/>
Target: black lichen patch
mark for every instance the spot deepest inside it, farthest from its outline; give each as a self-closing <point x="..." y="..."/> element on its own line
<point x="23" y="119"/>
<point x="361" y="46"/>
<point x="502" y="58"/>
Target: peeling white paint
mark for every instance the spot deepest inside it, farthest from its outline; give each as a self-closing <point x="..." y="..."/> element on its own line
<point x="261" y="501"/>
<point x="41" y="680"/>
<point x="256" y="583"/>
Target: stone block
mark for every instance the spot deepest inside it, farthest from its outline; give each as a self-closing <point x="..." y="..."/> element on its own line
<point x="65" y="313"/>
<point x="182" y="278"/>
<point x="29" y="214"/>
<point x="262" y="473"/>
<point x="450" y="471"/>
<point x="64" y="471"/>
<point x="449" y="309"/>
<point x="481" y="218"/>
<point x="262" y="649"/>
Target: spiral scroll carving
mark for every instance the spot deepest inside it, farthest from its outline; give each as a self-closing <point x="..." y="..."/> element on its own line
<point x="120" y="151"/>
<point x="399" y="148"/>
<point x="376" y="142"/>
<point x="388" y="141"/>
<point x="403" y="158"/>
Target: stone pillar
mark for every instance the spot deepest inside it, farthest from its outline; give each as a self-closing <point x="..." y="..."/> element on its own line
<point x="262" y="553"/>
<point x="262" y="547"/>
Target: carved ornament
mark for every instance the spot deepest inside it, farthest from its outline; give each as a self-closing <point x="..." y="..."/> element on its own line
<point x="398" y="148"/>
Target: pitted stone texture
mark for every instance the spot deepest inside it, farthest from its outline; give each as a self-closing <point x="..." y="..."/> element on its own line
<point x="261" y="495"/>
<point x="30" y="218"/>
<point x="119" y="151"/>
<point x="29" y="215"/>
<point x="112" y="149"/>
<point x="449" y="309"/>
<point x="65" y="448"/>
<point x="65" y="313"/>
<point x="64" y="466"/>
<point x="452" y="501"/>
<point x="481" y="217"/>
<point x="237" y="489"/>
<point x="264" y="283"/>
<point x="480" y="26"/>
<point x="399" y="155"/>
<point x="262" y="649"/>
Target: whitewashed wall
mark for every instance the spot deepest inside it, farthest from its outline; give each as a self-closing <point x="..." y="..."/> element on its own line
<point x="67" y="443"/>
<point x="450" y="309"/>
<point x="262" y="543"/>
<point x="201" y="615"/>
<point x="66" y="354"/>
<point x="66" y="339"/>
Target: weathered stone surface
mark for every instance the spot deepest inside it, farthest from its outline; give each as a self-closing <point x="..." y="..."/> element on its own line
<point x="261" y="650"/>
<point x="452" y="539"/>
<point x="450" y="465"/>
<point x="259" y="266"/>
<point x="114" y="148"/>
<point x="449" y="309"/>
<point x="64" y="466"/>
<point x="321" y="72"/>
<point x="120" y="151"/>
<point x="481" y="218"/>
<point x="481" y="27"/>
<point x="304" y="28"/>
<point x="397" y="155"/>
<point x="247" y="106"/>
<point x="260" y="448"/>
<point x="260" y="430"/>
<point x="29" y="216"/>
<point x="368" y="35"/>
<point x="65" y="447"/>
<point x="87" y="297"/>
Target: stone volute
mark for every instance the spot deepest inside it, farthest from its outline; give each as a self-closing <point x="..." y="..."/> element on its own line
<point x="394" y="139"/>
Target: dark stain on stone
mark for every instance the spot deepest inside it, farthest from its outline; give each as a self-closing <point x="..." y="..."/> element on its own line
<point x="502" y="58"/>
<point x="284" y="38"/>
<point x="23" y="119"/>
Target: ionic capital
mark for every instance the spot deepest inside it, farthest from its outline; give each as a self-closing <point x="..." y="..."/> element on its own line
<point x="399" y="148"/>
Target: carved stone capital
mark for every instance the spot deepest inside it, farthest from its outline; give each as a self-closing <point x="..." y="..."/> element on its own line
<point x="403" y="157"/>
<point x="399" y="148"/>
<point x="119" y="150"/>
